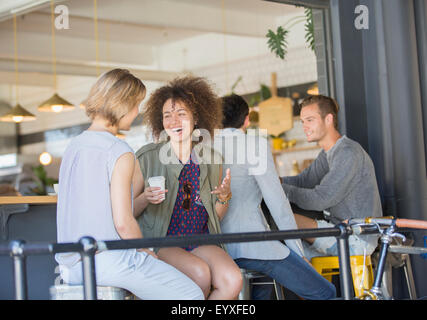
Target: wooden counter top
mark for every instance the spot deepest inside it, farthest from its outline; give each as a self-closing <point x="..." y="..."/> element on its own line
<point x="28" y="199"/>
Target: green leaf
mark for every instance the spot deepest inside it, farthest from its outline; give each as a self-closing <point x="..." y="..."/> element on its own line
<point x="42" y="180"/>
<point x="235" y="84"/>
<point x="309" y="28"/>
<point x="254" y="100"/>
<point x="265" y="92"/>
<point x="277" y="41"/>
<point x="40" y="172"/>
<point x="50" y="181"/>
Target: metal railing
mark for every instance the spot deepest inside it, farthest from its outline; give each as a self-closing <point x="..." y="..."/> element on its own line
<point x="87" y="247"/>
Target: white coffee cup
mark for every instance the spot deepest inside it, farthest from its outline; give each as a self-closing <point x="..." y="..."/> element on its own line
<point x="56" y="188"/>
<point x="158" y="181"/>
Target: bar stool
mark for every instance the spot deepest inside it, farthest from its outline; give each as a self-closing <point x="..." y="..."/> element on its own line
<point x="248" y="276"/>
<point x="75" y="292"/>
<point x="361" y="270"/>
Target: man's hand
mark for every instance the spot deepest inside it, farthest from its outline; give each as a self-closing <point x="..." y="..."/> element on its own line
<point x="306" y="260"/>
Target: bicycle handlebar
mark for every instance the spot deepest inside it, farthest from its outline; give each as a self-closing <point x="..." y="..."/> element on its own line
<point x="401" y="223"/>
<point x="411" y="223"/>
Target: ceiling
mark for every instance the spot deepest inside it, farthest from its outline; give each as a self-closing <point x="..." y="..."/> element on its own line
<point x="155" y="39"/>
<point x="130" y="32"/>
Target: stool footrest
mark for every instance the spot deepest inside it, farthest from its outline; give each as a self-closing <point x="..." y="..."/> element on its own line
<point x="248" y="276"/>
<point x="75" y="292"/>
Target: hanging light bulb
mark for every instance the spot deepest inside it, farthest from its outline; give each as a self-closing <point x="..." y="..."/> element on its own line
<point x="54" y="103"/>
<point x="45" y="158"/>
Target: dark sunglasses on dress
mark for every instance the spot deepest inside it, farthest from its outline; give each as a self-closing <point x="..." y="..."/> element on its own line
<point x="187" y="201"/>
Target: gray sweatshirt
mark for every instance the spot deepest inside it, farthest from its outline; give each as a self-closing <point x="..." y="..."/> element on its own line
<point x="340" y="181"/>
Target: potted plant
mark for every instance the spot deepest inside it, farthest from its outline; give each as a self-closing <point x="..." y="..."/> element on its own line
<point x="43" y="182"/>
<point x="277" y="41"/>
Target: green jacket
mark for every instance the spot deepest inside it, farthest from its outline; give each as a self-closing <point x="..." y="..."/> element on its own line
<point x="154" y="220"/>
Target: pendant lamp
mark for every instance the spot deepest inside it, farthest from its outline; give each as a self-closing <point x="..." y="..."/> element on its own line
<point x="17" y="113"/>
<point x="54" y="103"/>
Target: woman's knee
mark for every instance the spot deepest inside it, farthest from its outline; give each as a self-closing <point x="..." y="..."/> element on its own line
<point x="189" y="264"/>
<point x="200" y="273"/>
<point x="230" y="282"/>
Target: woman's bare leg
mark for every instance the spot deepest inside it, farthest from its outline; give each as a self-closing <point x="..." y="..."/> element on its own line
<point x="192" y="266"/>
<point x="225" y="274"/>
<point x="305" y="223"/>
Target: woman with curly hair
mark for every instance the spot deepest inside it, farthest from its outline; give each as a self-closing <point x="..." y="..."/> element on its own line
<point x="195" y="199"/>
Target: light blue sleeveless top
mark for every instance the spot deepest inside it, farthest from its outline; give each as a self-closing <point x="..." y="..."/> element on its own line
<point x="84" y="202"/>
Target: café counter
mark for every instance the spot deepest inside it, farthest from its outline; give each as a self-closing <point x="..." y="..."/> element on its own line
<point x="28" y="200"/>
<point x="32" y="219"/>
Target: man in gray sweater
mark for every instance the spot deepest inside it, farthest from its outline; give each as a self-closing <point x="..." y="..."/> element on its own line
<point x="340" y="182"/>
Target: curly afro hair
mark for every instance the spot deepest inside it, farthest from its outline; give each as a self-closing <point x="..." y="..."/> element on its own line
<point x="195" y="93"/>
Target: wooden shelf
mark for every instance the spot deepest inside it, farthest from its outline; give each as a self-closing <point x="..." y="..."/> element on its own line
<point x="28" y="199"/>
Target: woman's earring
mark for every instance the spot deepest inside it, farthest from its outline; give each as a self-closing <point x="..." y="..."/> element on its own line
<point x="196" y="133"/>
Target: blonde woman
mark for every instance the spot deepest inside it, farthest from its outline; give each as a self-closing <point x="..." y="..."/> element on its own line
<point x="95" y="197"/>
<point x="197" y="196"/>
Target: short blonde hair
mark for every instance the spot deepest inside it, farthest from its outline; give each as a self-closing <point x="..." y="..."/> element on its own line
<point x="114" y="94"/>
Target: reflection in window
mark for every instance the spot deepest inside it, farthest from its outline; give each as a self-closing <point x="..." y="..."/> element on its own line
<point x="8" y="160"/>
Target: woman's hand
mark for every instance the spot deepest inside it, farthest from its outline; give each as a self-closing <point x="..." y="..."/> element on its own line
<point x="223" y="191"/>
<point x="154" y="195"/>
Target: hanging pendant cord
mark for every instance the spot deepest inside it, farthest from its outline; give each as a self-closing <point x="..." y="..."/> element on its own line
<point x="95" y="20"/>
<point x="52" y="18"/>
<point x="15" y="42"/>
<point x="224" y="28"/>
